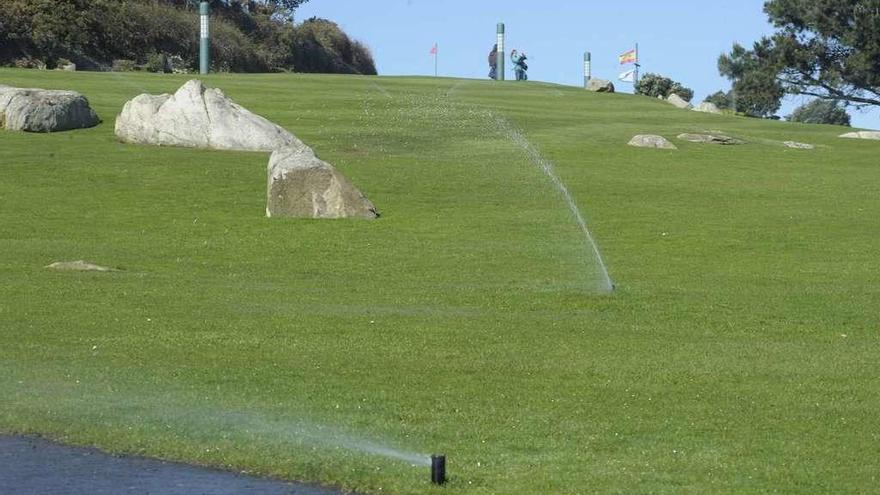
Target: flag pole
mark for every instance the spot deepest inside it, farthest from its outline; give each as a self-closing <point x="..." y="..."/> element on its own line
<point x="636" y="75"/>
<point x="436" y="54"/>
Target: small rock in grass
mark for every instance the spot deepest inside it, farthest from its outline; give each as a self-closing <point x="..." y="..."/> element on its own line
<point x="710" y="139"/>
<point x="708" y="107"/>
<point x="79" y="266"/>
<point x="798" y="146"/>
<point x="651" y="141"/>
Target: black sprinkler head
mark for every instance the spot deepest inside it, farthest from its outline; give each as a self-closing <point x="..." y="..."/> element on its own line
<point x="438" y="469"/>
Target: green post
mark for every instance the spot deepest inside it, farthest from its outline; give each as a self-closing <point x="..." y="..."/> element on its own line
<point x="205" y="46"/>
<point x="588" y="72"/>
<point x="499" y="59"/>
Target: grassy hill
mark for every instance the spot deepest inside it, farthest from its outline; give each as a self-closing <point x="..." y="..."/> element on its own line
<point x="738" y="353"/>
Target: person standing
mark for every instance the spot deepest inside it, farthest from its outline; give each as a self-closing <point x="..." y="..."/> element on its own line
<point x="519" y="65"/>
<point x="493" y="62"/>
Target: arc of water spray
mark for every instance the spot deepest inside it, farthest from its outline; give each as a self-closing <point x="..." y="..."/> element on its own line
<point x="517" y="137"/>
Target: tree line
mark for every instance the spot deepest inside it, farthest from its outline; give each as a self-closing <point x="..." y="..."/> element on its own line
<point x="247" y="36"/>
<point x="825" y="49"/>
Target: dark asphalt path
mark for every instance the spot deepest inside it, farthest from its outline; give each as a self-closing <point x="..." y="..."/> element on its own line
<point x="32" y="466"/>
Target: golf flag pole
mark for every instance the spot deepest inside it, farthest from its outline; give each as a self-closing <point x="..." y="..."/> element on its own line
<point x="499" y="58"/>
<point x="588" y="71"/>
<point x="434" y="51"/>
<point x="205" y="45"/>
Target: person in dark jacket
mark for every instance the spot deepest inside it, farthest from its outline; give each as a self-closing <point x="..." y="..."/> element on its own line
<point x="493" y="62"/>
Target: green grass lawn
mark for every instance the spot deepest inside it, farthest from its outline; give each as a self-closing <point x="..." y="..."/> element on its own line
<point x="738" y="354"/>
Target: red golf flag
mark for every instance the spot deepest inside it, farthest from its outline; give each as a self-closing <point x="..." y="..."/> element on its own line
<point x="434" y="49"/>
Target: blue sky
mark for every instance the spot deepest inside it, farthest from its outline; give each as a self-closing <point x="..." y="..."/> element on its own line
<point x="680" y="39"/>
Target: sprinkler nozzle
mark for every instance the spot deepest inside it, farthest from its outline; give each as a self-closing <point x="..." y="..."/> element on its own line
<point x="438" y="469"/>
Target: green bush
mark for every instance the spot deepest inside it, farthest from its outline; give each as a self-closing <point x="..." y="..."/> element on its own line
<point x="721" y="99"/>
<point x="321" y="46"/>
<point x="95" y="33"/>
<point x="655" y="85"/>
<point x="123" y="65"/>
<point x="820" y="112"/>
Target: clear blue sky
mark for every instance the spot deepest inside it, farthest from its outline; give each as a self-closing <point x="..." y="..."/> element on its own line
<point x="680" y="39"/>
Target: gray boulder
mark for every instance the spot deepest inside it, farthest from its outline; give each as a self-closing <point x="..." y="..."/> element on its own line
<point x="199" y="117"/>
<point x="710" y="139"/>
<point x="302" y="185"/>
<point x="708" y="107"/>
<point x="798" y="146"/>
<point x="651" y="141"/>
<point x="678" y="102"/>
<point x="44" y="110"/>
<point x="873" y="135"/>
<point x="600" y="86"/>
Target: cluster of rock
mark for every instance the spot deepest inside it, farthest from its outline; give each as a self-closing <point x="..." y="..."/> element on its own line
<point x="44" y="110"/>
<point x="299" y="183"/>
<point x="704" y="107"/>
<point x="659" y="142"/>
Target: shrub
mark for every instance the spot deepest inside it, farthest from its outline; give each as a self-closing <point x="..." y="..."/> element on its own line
<point x="156" y="62"/>
<point x="820" y="112"/>
<point x="123" y="65"/>
<point x="321" y="46"/>
<point x="655" y="85"/>
<point x="95" y="33"/>
<point x="29" y="63"/>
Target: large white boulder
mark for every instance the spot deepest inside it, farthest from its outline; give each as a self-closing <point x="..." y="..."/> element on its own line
<point x="302" y="185"/>
<point x="199" y="117"/>
<point x="874" y="135"/>
<point x="44" y="110"/>
<point x="678" y="101"/>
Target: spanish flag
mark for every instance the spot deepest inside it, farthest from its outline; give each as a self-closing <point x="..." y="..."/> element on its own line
<point x="628" y="57"/>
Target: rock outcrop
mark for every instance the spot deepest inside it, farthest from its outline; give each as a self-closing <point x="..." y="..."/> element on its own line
<point x="199" y="117"/>
<point x="302" y="185"/>
<point x="600" y="86"/>
<point x="710" y="139"/>
<point x="873" y="135"/>
<point x="708" y="107"/>
<point x="44" y="110"/>
<point x="651" y="141"/>
<point x="798" y="146"/>
<point x="679" y="102"/>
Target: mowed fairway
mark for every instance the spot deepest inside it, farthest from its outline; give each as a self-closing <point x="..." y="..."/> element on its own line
<point x="738" y="354"/>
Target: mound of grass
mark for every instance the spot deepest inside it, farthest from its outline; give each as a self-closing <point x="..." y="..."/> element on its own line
<point x="738" y="353"/>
